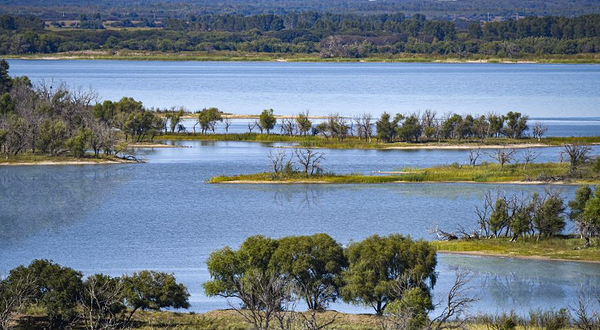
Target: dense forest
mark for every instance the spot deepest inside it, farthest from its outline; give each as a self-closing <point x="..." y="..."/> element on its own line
<point x="473" y="9"/>
<point x="329" y="35"/>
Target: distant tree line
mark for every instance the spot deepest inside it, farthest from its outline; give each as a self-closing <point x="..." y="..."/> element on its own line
<point x="69" y="300"/>
<point x="329" y="35"/>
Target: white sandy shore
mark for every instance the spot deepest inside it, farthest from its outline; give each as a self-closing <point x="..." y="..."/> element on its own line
<point x="108" y="162"/>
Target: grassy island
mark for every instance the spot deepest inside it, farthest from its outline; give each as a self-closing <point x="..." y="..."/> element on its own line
<point x="487" y="173"/>
<point x="549" y="248"/>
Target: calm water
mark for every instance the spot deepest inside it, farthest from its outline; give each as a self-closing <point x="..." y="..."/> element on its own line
<point x="162" y="215"/>
<point x="550" y="90"/>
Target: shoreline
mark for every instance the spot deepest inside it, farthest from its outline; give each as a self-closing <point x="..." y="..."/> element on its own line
<point x="500" y="255"/>
<point x="282" y="58"/>
<point x="68" y="162"/>
<point x="558" y="183"/>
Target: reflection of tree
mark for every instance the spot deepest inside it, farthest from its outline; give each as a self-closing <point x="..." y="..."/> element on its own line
<point x="51" y="197"/>
<point x="306" y="196"/>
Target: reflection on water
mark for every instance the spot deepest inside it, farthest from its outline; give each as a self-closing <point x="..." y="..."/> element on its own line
<point x="33" y="199"/>
<point x="162" y="215"/>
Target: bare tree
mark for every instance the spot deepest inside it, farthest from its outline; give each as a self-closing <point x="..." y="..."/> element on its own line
<point x="252" y="125"/>
<point x="287" y="126"/>
<point x="102" y="303"/>
<point x="575" y="154"/>
<point x="539" y="130"/>
<point x="456" y="303"/>
<point x="502" y="155"/>
<point x="585" y="315"/>
<point x="315" y="319"/>
<point x="14" y="294"/>
<point x="474" y="154"/>
<point x="227" y="123"/>
<point x="364" y="126"/>
<point x="263" y="299"/>
<point x="278" y="161"/>
<point x="309" y="160"/>
<point x="529" y="157"/>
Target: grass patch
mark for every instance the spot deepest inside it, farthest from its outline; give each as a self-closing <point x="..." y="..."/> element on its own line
<point x="552" y="248"/>
<point x="487" y="173"/>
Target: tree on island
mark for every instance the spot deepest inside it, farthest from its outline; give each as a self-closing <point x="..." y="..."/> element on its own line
<point x="267" y="120"/>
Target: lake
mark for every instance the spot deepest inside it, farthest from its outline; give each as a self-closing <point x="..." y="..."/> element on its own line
<point x="539" y="90"/>
<point x="162" y="215"/>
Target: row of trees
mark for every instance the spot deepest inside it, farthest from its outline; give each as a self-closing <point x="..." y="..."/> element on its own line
<point x="269" y="275"/>
<point x="413" y="127"/>
<point x="96" y="302"/>
<point x="519" y="216"/>
<point x="330" y="35"/>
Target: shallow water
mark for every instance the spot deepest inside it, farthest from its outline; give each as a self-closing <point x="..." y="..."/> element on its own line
<point x="162" y="215"/>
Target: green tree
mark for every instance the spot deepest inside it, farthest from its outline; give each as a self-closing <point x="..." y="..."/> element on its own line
<point x="57" y="289"/>
<point x="78" y="143"/>
<point x="267" y="120"/>
<point x="304" y="124"/>
<point x="411" y="129"/>
<point x="516" y="124"/>
<point x="7" y="106"/>
<point x="175" y="119"/>
<point x="383" y="269"/>
<point x="5" y="80"/>
<point x="150" y="290"/>
<point x="315" y="265"/>
<point x="549" y="219"/>
<point x="208" y="118"/>
<point x="52" y="135"/>
<point x="591" y="216"/>
<point x="387" y="128"/>
<point x="499" y="216"/>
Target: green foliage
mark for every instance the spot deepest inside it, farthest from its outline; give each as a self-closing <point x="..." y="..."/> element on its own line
<point x="516" y="124"/>
<point x="304" y="124"/>
<point x="267" y="120"/>
<point x="314" y="263"/>
<point x="7" y="106"/>
<point x="57" y="289"/>
<point x="79" y="143"/>
<point x="150" y="290"/>
<point x="208" y="118"/>
<point x="387" y="128"/>
<point x="549" y="219"/>
<point x="5" y="80"/>
<point x="52" y="136"/>
<point x="382" y="269"/>
<point x="499" y="216"/>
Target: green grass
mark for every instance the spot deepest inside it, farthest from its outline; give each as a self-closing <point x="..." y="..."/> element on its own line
<point x="312" y="57"/>
<point x="487" y="173"/>
<point x="353" y="142"/>
<point x="31" y="158"/>
<point x="555" y="248"/>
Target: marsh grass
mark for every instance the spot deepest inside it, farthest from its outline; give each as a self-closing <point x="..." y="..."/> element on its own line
<point x="486" y="173"/>
<point x="551" y="248"/>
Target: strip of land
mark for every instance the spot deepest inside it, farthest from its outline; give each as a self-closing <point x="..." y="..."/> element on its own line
<point x="535" y="173"/>
<point x="36" y="159"/>
<point x="353" y="142"/>
<point x="229" y="56"/>
<point x="560" y="249"/>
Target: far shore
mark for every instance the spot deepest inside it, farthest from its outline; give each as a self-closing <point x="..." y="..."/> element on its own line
<point x="282" y="58"/>
<point x="400" y="182"/>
